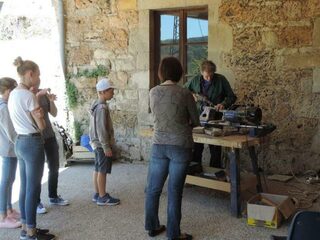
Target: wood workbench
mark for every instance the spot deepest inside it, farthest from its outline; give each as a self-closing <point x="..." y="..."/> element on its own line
<point x="235" y="143"/>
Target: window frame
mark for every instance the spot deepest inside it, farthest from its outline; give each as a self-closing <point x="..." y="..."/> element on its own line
<point x="155" y="41"/>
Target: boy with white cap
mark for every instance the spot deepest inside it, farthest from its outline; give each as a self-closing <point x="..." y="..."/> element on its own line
<point x="102" y="138"/>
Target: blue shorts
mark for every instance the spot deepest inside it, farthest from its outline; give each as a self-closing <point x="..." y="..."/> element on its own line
<point x="102" y="163"/>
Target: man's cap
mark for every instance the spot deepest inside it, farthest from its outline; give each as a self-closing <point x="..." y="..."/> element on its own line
<point x="104" y="84"/>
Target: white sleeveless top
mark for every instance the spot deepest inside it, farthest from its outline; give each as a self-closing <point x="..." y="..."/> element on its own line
<point x="21" y="103"/>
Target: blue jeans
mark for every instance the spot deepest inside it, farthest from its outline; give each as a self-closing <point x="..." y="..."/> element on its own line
<point x="30" y="153"/>
<point x="9" y="167"/>
<point x="51" y="149"/>
<point x="166" y="160"/>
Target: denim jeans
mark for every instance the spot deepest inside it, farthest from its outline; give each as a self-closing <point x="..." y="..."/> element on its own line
<point x="9" y="167"/>
<point x="166" y="160"/>
<point x="51" y="149"/>
<point x="30" y="153"/>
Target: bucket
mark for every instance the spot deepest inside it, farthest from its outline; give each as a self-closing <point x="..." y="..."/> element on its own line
<point x="85" y="142"/>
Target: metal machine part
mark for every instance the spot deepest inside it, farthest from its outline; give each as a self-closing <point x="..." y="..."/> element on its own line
<point x="238" y="117"/>
<point x="243" y="114"/>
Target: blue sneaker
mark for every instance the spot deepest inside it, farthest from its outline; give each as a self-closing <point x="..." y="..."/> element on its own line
<point x="107" y="200"/>
<point x="95" y="197"/>
<point x="58" y="201"/>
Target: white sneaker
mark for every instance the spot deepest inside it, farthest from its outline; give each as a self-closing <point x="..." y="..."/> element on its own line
<point x="41" y="209"/>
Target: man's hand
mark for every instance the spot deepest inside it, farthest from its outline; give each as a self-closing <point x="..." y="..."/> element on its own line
<point x="108" y="153"/>
<point x="219" y="107"/>
<point x="195" y="97"/>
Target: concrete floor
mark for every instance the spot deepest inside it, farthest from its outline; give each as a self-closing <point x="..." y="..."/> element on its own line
<point x="206" y="213"/>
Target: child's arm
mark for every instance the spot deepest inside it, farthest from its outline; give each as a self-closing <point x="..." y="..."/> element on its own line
<point x="38" y="117"/>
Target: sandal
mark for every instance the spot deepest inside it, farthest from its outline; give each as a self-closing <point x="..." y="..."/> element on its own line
<point x="153" y="233"/>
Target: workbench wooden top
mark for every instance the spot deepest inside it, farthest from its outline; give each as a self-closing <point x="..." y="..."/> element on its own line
<point x="232" y="141"/>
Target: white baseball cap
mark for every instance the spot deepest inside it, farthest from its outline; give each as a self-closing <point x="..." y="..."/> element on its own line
<point x="104" y="84"/>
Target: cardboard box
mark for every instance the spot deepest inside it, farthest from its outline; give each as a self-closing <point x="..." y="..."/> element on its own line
<point x="268" y="210"/>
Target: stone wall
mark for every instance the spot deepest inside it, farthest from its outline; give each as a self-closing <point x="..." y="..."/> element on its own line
<point x="269" y="50"/>
<point x="276" y="58"/>
<point x="98" y="33"/>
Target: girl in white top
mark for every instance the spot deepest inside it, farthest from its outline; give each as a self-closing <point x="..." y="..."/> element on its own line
<point x="28" y="121"/>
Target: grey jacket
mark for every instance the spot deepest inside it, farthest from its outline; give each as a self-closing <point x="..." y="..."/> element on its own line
<point x="101" y="131"/>
<point x="7" y="132"/>
<point x="175" y="114"/>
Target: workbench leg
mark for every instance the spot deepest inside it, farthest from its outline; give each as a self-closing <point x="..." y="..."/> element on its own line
<point x="255" y="168"/>
<point x="235" y="182"/>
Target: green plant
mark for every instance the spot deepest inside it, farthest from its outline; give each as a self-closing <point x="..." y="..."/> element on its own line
<point x="72" y="94"/>
<point x="100" y="71"/>
<point x="72" y="91"/>
<point x="77" y="130"/>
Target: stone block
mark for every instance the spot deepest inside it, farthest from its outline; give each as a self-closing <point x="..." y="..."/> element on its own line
<point x="242" y="12"/>
<point x="316" y="33"/>
<point x="292" y="9"/>
<point x="131" y="94"/>
<point x="140" y="80"/>
<point x="144" y="17"/>
<point x="270" y="39"/>
<point x="102" y="54"/>
<point x="85" y="83"/>
<point x="80" y="4"/>
<point x="126" y="65"/>
<point x="93" y="36"/>
<point x="122" y="79"/>
<point x="124" y="119"/>
<point x="127" y="4"/>
<point x="316" y="81"/>
<point x="143" y="61"/>
<point x="100" y="22"/>
<point x="302" y="61"/>
<point x="144" y="100"/>
<point x="116" y="39"/>
<point x="80" y="56"/>
<point x="220" y="37"/>
<point x="143" y="4"/>
<point x="295" y="36"/>
<point x="311" y="8"/>
<point x="128" y="105"/>
<point x="138" y="42"/>
<point x="249" y="40"/>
